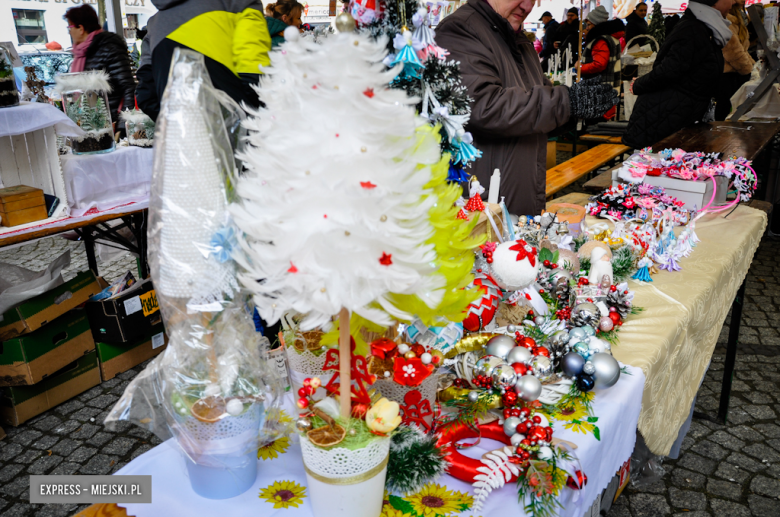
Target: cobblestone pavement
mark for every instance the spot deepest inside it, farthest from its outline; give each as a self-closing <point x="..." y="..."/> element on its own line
<point x="731" y="470"/>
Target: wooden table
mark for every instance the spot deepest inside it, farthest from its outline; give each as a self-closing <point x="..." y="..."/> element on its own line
<point x="96" y="228"/>
<point x="602" y="139"/>
<point x="730" y="138"/>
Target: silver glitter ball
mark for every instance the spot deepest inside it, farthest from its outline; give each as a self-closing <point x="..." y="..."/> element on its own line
<point x="473" y="396"/>
<point x="511" y="329"/>
<point x="500" y="346"/>
<point x="303" y="424"/>
<point x="607" y="370"/>
<point x="589" y="368"/>
<point x="503" y="377"/>
<point x="528" y="388"/>
<point x="542" y="367"/>
<point x="519" y="354"/>
<point x="510" y="424"/>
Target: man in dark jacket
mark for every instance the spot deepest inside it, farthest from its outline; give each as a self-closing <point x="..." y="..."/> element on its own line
<point x="679" y="89"/>
<point x="568" y="34"/>
<point x="636" y="25"/>
<point x="515" y="106"/>
<point x="550" y="27"/>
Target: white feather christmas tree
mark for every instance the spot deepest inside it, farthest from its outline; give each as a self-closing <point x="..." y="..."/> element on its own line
<point x="335" y="205"/>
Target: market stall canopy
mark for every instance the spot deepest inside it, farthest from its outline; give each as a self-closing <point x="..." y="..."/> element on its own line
<point x="31" y="116"/>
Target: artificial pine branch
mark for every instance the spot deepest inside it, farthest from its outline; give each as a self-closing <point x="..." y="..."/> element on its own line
<point x="415" y="460"/>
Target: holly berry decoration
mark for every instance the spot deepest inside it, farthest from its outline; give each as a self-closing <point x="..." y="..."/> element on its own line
<point x="487" y="251"/>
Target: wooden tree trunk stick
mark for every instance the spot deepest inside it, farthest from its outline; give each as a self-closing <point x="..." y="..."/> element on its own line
<point x="208" y="340"/>
<point x="345" y="361"/>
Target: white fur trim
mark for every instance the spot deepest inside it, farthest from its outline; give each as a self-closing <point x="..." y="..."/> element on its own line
<point x="134" y="116"/>
<point x="92" y="80"/>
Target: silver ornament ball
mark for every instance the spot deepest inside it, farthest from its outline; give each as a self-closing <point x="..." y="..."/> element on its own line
<point x="510" y="424"/>
<point x="528" y="388"/>
<point x="473" y="396"/>
<point x="485" y="365"/>
<point x="543" y="367"/>
<point x="519" y="354"/>
<point x="511" y="329"/>
<point x="577" y="334"/>
<point x="539" y="320"/>
<point x="589" y="368"/>
<point x="572" y="364"/>
<point x="589" y="331"/>
<point x="500" y="346"/>
<point x="503" y="377"/>
<point x="345" y="22"/>
<point x="607" y="370"/>
<point x="303" y="424"/>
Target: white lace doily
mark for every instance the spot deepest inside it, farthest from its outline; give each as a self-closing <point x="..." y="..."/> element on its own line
<point x="231" y="435"/>
<point x="339" y="462"/>
<point x="305" y="363"/>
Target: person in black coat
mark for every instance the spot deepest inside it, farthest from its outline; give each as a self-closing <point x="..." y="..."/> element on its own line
<point x="550" y="26"/>
<point x="96" y="49"/>
<point x="679" y="89"/>
<point x="568" y="34"/>
<point x="636" y="24"/>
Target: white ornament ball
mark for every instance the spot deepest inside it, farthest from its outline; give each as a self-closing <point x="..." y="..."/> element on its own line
<point x="403" y="348"/>
<point x="235" y="407"/>
<point x="597" y="346"/>
<point x="512" y="274"/>
<point x="291" y="33"/>
<point x="516" y="438"/>
<point x="426" y="358"/>
<point x="544" y="454"/>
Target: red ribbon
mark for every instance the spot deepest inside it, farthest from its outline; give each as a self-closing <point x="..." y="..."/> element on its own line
<point x="462" y="467"/>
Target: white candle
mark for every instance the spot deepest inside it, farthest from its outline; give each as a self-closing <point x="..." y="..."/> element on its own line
<point x="495" y="184"/>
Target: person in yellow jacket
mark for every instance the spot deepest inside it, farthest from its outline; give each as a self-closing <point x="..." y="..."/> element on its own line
<point x="232" y="35"/>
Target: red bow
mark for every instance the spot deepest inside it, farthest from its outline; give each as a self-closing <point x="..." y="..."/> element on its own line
<point x="522" y="252"/>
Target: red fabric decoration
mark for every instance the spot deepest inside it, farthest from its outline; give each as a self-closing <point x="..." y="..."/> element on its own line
<point x="462" y="467"/>
<point x="475" y="204"/>
<point x="462" y="215"/>
<point x="415" y="409"/>
<point x="358" y="372"/>
<point x="369" y="92"/>
<point x="367" y="185"/>
<point x="522" y="253"/>
<point x="482" y="312"/>
<point x="410" y="372"/>
<point x="386" y="259"/>
<point x="292" y="269"/>
<point x="384" y="348"/>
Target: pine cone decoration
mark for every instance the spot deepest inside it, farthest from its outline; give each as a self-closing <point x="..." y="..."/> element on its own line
<point x="619" y="300"/>
<point x="585" y="314"/>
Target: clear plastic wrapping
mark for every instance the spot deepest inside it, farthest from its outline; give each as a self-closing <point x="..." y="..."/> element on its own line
<point x="85" y="102"/>
<point x="213" y="389"/>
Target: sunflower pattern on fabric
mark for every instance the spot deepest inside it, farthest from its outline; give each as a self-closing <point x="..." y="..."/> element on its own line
<point x="432" y="500"/>
<point x="283" y="494"/>
<point x="274" y="449"/>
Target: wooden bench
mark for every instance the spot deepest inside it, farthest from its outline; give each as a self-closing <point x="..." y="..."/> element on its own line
<point x="575" y="198"/>
<point x="599" y="183"/>
<point x="603" y="139"/>
<point x="563" y="175"/>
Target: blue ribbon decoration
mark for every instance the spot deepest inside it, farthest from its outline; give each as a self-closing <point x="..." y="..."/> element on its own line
<point x="456" y="173"/>
<point x="466" y="152"/>
<point x="412" y="65"/>
<point x="642" y="275"/>
<point x="222" y="244"/>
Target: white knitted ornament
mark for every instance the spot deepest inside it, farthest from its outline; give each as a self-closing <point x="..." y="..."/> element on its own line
<point x="510" y="273"/>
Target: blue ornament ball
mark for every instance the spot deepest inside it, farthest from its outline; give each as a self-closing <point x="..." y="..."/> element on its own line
<point x="585" y="382"/>
<point x="572" y="364"/>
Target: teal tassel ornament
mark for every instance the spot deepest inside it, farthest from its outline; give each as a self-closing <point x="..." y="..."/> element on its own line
<point x="412" y="64"/>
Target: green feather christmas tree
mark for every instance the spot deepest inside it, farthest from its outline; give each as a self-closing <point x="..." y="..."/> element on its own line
<point x="657" y="29"/>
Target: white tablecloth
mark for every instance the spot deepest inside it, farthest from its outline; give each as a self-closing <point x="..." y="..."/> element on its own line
<point x="31" y="116"/>
<point x="617" y="410"/>
<point x="103" y="181"/>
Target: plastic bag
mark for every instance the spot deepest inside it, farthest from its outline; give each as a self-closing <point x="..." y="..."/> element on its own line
<point x="768" y="106"/>
<point x="212" y="389"/>
<point x="646" y="467"/>
<point x="18" y="284"/>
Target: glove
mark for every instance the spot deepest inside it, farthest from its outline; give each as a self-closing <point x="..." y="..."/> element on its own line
<point x="591" y="98"/>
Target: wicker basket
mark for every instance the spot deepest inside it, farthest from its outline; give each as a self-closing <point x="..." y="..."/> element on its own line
<point x="642" y="59"/>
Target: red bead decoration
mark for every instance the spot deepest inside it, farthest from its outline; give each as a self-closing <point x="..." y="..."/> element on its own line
<point x="510" y="398"/>
<point x="520" y="368"/>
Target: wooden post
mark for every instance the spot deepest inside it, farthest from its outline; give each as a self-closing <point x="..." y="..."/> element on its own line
<point x="579" y="46"/>
<point x="345" y="361"/>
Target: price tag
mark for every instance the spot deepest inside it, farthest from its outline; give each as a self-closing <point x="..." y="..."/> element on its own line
<point x="149" y="302"/>
<point x="158" y="340"/>
<point x="132" y="305"/>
